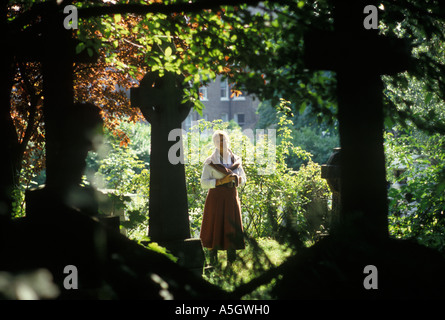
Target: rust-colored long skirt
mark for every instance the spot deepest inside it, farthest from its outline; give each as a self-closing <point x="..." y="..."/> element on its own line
<point x="222" y="227"/>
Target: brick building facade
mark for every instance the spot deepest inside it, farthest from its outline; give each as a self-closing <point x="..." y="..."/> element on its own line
<point x="220" y="104"/>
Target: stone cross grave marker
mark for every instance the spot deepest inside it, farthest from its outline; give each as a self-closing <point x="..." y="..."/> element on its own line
<point x="160" y="100"/>
<point x="359" y="56"/>
<point x="51" y="44"/>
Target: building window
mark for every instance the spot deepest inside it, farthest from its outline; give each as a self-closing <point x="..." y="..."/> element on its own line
<point x="239" y="118"/>
<point x="203" y="93"/>
<point x="225" y="117"/>
<point x="188" y="122"/>
<point x="224" y="89"/>
<point x="227" y="94"/>
<point x="241" y="96"/>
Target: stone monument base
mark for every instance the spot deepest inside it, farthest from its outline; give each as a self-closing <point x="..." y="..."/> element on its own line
<point x="189" y="253"/>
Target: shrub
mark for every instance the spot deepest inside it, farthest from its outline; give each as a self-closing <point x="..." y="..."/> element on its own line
<point x="416" y="172"/>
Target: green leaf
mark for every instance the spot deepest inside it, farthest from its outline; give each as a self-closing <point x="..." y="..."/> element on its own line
<point x="428" y="97"/>
<point x="117" y="18"/>
<point x="199" y="106"/>
<point x="168" y="52"/>
<point x="302" y="108"/>
<point x="389" y="123"/>
<point x="80" y="47"/>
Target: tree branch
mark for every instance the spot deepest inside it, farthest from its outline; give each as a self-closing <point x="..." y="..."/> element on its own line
<point x="41" y="9"/>
<point x="34" y="100"/>
<point x="141" y="9"/>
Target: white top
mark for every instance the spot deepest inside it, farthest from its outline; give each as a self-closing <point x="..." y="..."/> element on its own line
<point x="210" y="174"/>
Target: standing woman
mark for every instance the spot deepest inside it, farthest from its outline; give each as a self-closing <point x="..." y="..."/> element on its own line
<point x="222" y="227"/>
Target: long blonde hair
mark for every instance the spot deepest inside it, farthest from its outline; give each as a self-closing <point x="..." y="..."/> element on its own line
<point x="216" y="139"/>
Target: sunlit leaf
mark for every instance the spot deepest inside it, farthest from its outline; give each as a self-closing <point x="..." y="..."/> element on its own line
<point x="168" y="52"/>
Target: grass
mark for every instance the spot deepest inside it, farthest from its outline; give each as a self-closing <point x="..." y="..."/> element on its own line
<point x="258" y="257"/>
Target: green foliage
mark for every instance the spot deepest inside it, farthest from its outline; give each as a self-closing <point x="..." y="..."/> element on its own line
<point x="154" y="246"/>
<point x="119" y="169"/>
<point x="251" y="48"/>
<point x="30" y="177"/>
<point x="124" y="171"/>
<point x="271" y="44"/>
<point x="410" y="101"/>
<point x="275" y="197"/>
<point x="307" y="131"/>
<point x="415" y="147"/>
<point x="18" y="206"/>
<point x="416" y="168"/>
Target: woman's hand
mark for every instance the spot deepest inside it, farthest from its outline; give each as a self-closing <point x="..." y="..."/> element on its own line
<point x="226" y="179"/>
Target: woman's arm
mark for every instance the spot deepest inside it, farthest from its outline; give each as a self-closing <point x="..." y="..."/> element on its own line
<point x="242" y="176"/>
<point x="207" y="181"/>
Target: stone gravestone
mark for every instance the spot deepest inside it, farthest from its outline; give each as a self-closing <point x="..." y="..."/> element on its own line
<point x="359" y="56"/>
<point x="331" y="172"/>
<point x="82" y="129"/>
<point x="160" y="100"/>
